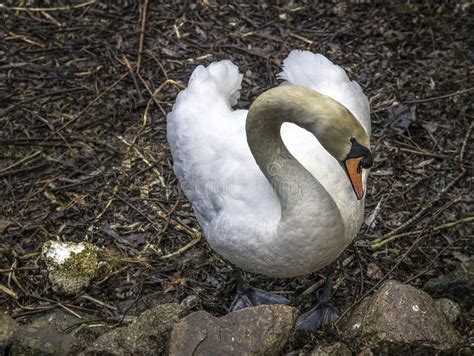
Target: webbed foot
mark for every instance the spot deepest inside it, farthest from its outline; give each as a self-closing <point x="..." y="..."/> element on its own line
<point x="318" y="316"/>
<point x="323" y="312"/>
<point x="250" y="297"/>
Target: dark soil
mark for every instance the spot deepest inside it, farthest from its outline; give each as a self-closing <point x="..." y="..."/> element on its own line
<point x="85" y="90"/>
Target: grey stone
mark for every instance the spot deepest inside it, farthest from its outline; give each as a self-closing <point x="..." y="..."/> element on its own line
<point x="398" y="317"/>
<point x="449" y="308"/>
<point x="44" y="341"/>
<point x="16" y="339"/>
<point x="191" y="302"/>
<point x="336" y="349"/>
<point x="8" y="327"/>
<point x="84" y="328"/>
<point x="147" y="335"/>
<point x="262" y="330"/>
<point x="459" y="284"/>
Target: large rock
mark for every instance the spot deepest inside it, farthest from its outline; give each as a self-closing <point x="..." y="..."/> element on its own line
<point x="147" y="335"/>
<point x="458" y="284"/>
<point x="398" y="317"/>
<point x="262" y="330"/>
<point x="45" y="341"/>
<point x="83" y="328"/>
<point x="17" y="339"/>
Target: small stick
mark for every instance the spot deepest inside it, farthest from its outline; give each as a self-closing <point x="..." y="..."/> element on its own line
<point x="98" y="302"/>
<point x="449" y="225"/>
<point x="69" y="310"/>
<point x="8" y="291"/>
<point x="422" y="153"/>
<point x="142" y="34"/>
<point x="459" y="92"/>
<point x="129" y="66"/>
<point x="464" y="143"/>
<point x="183" y="249"/>
<point x="24" y="159"/>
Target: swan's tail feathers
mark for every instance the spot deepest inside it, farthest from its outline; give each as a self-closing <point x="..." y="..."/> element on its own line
<point x="307" y="69"/>
<point x="227" y="76"/>
<point x="223" y="75"/>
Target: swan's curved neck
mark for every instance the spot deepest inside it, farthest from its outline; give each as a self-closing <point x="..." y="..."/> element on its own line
<point x="332" y="124"/>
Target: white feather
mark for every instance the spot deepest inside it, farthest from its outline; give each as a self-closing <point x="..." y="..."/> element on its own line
<point x="315" y="71"/>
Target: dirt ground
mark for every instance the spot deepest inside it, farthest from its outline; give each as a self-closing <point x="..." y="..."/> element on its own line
<point x="84" y="92"/>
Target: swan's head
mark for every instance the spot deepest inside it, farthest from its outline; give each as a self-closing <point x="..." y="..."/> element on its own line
<point x="345" y="139"/>
<point x="358" y="159"/>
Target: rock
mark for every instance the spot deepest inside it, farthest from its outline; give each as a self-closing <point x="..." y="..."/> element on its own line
<point x="191" y="302"/>
<point x="398" y="317"/>
<point x="134" y="308"/>
<point x="262" y="330"/>
<point x="61" y="321"/>
<point x="366" y="351"/>
<point x="71" y="266"/>
<point x="337" y="349"/>
<point x="459" y="284"/>
<point x="7" y="331"/>
<point x="147" y="335"/>
<point x="449" y="308"/>
<point x="44" y="341"/>
<point x="31" y="340"/>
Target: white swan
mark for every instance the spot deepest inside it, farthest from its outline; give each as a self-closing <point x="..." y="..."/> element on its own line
<point x="281" y="205"/>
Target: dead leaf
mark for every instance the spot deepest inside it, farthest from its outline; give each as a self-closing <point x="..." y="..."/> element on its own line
<point x="402" y="118"/>
<point x="374" y="272"/>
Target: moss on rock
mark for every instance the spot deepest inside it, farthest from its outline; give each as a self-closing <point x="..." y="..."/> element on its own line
<point x="71" y="266"/>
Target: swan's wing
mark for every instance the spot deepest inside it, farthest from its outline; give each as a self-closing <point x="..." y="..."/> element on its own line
<point x="208" y="143"/>
<point x="315" y="71"/>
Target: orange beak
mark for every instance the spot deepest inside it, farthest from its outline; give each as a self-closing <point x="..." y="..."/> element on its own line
<point x="354" y="171"/>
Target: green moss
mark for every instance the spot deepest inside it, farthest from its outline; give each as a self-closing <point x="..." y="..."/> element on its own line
<point x="75" y="272"/>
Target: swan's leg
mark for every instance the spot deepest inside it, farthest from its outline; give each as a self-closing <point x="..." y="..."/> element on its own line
<point x="323" y="312"/>
<point x="249" y="297"/>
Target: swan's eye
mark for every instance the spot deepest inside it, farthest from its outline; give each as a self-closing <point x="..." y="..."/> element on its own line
<point x="361" y="152"/>
<point x="367" y="161"/>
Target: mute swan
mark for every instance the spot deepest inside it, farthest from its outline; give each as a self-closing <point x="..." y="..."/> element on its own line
<point x="278" y="189"/>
